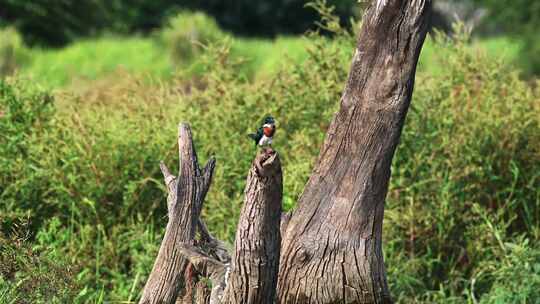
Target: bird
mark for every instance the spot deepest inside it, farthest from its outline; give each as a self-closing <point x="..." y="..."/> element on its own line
<point x="265" y="133"/>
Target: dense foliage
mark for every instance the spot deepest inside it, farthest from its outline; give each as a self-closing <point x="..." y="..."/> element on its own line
<point x="521" y="19"/>
<point x="512" y="18"/>
<point x="188" y="33"/>
<point x="82" y="202"/>
<point x="58" y="22"/>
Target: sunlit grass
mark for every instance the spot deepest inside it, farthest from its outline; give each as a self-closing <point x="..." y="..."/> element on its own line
<point x="432" y="56"/>
<point x="93" y="59"/>
<point x="90" y="60"/>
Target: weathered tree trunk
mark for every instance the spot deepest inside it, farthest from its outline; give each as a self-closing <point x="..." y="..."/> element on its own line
<point x="331" y="244"/>
<point x="184" y="202"/>
<point x="254" y="268"/>
<point x="331" y="249"/>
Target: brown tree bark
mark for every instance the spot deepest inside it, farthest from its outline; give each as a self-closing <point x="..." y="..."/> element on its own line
<point x="184" y="202"/>
<point x="330" y="248"/>
<point x="254" y="269"/>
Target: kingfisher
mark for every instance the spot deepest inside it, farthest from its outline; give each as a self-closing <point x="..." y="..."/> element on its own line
<point x="265" y="132"/>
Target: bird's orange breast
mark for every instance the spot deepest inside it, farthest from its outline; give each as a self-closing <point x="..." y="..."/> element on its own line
<point x="268" y="131"/>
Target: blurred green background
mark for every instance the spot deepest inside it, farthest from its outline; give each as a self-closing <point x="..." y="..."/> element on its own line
<point x="91" y="93"/>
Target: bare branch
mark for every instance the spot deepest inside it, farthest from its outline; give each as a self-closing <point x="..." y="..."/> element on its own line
<point x="215" y="247"/>
<point x="208" y="171"/>
<point x="205" y="177"/>
<point x="170" y="183"/>
<point x="167" y="176"/>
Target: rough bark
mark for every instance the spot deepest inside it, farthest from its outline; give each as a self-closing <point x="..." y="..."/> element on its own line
<point x="184" y="202"/>
<point x="331" y="248"/>
<point x="254" y="269"/>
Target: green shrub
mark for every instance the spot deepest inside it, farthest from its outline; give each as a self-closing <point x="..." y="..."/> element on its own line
<point x="529" y="60"/>
<point x="187" y="33"/>
<point x="520" y="21"/>
<point x="469" y="152"/>
<point x="33" y="276"/>
<point x="58" y="23"/>
<point x="271" y="18"/>
<point x="516" y="277"/>
<point x="12" y="51"/>
<point x="103" y="60"/>
<point x="25" y="119"/>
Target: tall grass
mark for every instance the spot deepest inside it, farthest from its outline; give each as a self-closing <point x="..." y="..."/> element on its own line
<point x="80" y="170"/>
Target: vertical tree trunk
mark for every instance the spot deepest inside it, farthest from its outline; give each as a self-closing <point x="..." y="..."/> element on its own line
<point x="331" y="248"/>
<point x="254" y="269"/>
<point x="184" y="203"/>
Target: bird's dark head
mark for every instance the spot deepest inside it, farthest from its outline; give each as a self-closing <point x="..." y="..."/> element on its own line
<point x="269" y="120"/>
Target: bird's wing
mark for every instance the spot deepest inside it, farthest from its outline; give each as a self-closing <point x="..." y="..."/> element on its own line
<point x="256" y="136"/>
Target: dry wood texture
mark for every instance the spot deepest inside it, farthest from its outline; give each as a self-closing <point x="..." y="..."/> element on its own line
<point x="331" y="249"/>
<point x="185" y="197"/>
<point x="254" y="269"/>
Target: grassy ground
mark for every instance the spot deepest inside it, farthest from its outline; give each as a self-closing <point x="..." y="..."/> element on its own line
<point x="96" y="59"/>
<point x="88" y="60"/>
<point x="83" y="205"/>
